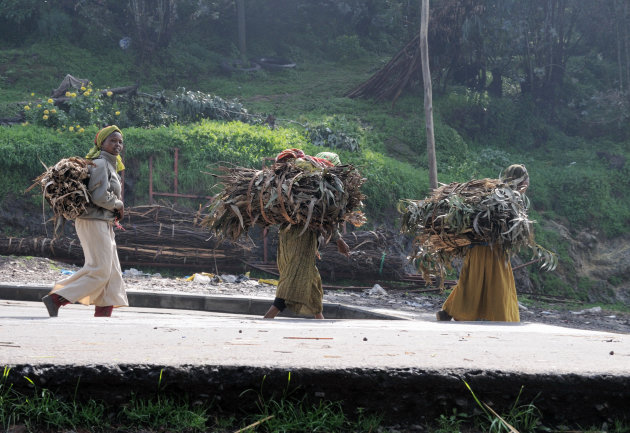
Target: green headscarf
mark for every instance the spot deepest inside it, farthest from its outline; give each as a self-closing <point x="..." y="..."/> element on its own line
<point x="329" y="156"/>
<point x="101" y="135"/>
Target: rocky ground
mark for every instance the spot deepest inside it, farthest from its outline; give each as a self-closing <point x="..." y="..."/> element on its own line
<point x="414" y="304"/>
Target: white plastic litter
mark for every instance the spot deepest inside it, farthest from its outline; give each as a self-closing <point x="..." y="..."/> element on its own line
<point x="377" y="290"/>
<point x="201" y="279"/>
<point x="228" y="278"/>
<point x="588" y="310"/>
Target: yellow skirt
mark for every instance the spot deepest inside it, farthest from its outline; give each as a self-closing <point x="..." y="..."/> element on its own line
<point x="485" y="290"/>
<point x="300" y="284"/>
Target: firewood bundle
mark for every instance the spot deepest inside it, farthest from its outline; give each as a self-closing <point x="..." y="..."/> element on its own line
<point x="374" y="255"/>
<point x="457" y="215"/>
<point x="289" y="192"/>
<point x="159" y="225"/>
<point x="64" y="186"/>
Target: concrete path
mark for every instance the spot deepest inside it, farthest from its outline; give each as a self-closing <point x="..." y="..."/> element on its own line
<point x="176" y="337"/>
<point x="408" y="370"/>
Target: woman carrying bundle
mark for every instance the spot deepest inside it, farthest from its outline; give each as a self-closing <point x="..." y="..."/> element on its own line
<point x="486" y="289"/>
<point x="100" y="281"/>
<point x="300" y="285"/>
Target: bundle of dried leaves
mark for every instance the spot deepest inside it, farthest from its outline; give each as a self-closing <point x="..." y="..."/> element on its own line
<point x="457" y="215"/>
<point x="287" y="193"/>
<point x="64" y="186"/>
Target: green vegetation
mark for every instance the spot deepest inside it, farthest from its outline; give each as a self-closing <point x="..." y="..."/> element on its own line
<point x="568" y="124"/>
<point x="41" y="410"/>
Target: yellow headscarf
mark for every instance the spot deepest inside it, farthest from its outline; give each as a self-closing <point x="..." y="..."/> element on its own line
<point x="101" y="135"/>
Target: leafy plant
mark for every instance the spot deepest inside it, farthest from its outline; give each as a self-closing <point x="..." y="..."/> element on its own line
<point x="520" y="418"/>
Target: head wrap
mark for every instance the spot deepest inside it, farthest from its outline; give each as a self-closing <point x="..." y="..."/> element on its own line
<point x="101" y="135"/>
<point x="515" y="175"/>
<point x="329" y="156"/>
<point x="290" y="154"/>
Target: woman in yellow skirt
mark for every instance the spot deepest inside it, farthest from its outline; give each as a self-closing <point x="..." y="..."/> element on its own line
<point x="300" y="285"/>
<point x="486" y="289"/>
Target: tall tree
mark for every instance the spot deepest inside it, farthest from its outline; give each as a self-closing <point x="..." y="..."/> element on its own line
<point x="428" y="93"/>
<point x="242" y="42"/>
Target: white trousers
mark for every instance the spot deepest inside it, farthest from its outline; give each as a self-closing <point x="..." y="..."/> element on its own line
<point x="99" y="282"/>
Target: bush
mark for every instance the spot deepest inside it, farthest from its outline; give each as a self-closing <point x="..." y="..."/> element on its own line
<point x="346" y="47"/>
<point x="203" y="147"/>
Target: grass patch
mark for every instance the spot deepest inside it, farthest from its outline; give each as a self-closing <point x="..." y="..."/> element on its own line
<point x="43" y="411"/>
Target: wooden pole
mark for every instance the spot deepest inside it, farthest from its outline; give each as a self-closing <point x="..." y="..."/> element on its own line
<point x="242" y="45"/>
<point x="428" y="93"/>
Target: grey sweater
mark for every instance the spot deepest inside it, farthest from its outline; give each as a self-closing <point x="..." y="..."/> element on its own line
<point x="105" y="189"/>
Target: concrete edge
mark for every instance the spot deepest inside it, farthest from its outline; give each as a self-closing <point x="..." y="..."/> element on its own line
<point x="212" y="303"/>
<point x="399" y="395"/>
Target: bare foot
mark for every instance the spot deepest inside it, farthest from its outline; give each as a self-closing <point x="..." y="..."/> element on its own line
<point x="271" y="313"/>
<point x="319" y="316"/>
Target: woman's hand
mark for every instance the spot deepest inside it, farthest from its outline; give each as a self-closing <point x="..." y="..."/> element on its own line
<point x="119" y="213"/>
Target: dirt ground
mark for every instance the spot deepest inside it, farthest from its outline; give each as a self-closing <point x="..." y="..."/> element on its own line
<point x="415" y="304"/>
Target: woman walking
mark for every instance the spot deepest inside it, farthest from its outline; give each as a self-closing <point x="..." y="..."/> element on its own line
<point x="100" y="281"/>
<point x="486" y="289"/>
<point x="300" y="285"/>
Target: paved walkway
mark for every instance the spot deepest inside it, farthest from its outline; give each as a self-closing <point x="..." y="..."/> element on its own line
<point x="174" y="337"/>
<point x="345" y="359"/>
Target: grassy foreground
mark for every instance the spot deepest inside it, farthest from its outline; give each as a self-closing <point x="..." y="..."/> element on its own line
<point x="42" y="411"/>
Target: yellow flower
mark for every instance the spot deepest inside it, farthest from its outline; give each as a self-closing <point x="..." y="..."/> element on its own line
<point x="63" y="126"/>
<point x="68" y="94"/>
<point x="32" y="94"/>
<point x="26" y="107"/>
<point x="86" y="93"/>
<point x="39" y="105"/>
<point x="53" y="111"/>
<point x="109" y="93"/>
<point x="73" y="94"/>
<point x="117" y="113"/>
<point x="25" y="123"/>
<point x="71" y="128"/>
<point x="50" y="101"/>
<point x="81" y="130"/>
<point x="45" y="117"/>
<point x="46" y="111"/>
<point x="82" y="87"/>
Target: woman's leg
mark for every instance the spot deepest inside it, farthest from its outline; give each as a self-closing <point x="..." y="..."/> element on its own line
<point x="276" y="308"/>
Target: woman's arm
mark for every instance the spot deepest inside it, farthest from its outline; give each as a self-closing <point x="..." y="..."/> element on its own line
<point x="99" y="187"/>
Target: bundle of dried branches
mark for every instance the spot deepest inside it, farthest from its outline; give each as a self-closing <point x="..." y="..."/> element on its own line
<point x="69" y="250"/>
<point x="287" y="193"/>
<point x="64" y="186"/>
<point x="153" y="235"/>
<point x="483" y="211"/>
<point x="374" y="255"/>
<point x="160" y="225"/>
<point x="389" y="82"/>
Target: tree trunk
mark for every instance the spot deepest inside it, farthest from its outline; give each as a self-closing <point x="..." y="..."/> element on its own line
<point x="625" y="41"/>
<point x="428" y="93"/>
<point x="242" y="45"/>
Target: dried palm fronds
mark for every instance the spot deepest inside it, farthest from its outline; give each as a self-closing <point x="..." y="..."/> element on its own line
<point x="457" y="215"/>
<point x="287" y="193"/>
<point x="64" y="186"/>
